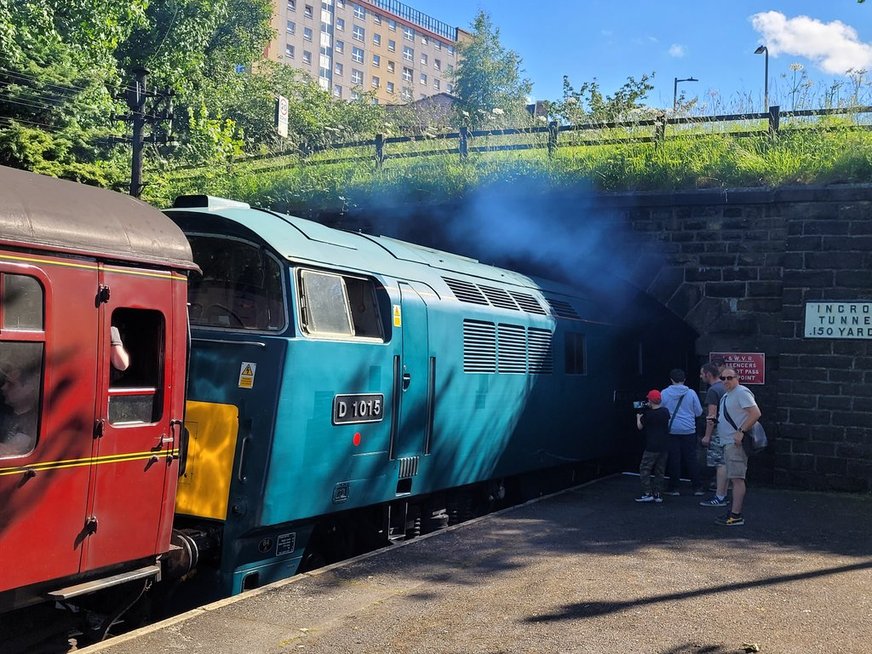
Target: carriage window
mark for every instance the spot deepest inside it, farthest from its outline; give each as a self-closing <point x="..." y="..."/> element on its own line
<point x="240" y="288"/>
<point x="339" y="305"/>
<point x="21" y="376"/>
<point x="575" y="355"/>
<point x="136" y="393"/>
<point x="22" y="302"/>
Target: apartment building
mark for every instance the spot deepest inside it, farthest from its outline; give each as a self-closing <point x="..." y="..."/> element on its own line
<point x="383" y="46"/>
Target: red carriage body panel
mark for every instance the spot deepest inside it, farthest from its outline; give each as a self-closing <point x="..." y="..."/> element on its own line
<point x="88" y="453"/>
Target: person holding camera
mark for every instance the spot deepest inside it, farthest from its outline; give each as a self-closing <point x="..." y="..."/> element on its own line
<point x="653" y="420"/>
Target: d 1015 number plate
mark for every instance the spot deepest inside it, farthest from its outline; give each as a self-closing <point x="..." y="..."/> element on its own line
<point x="368" y="407"/>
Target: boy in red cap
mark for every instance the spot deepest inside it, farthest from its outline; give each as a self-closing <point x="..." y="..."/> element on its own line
<point x="654" y="421"/>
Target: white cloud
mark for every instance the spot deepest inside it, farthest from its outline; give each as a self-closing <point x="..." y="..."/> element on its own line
<point x="676" y="50"/>
<point x="834" y="47"/>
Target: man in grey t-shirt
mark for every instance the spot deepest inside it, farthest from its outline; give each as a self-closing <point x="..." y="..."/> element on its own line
<point x="738" y="413"/>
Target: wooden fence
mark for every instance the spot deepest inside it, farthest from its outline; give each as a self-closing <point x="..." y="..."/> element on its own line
<point x="653" y="130"/>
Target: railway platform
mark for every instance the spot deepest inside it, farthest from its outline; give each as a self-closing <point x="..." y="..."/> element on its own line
<point x="585" y="570"/>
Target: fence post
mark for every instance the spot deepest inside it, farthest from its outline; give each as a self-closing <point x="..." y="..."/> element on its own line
<point x="659" y="129"/>
<point x="552" y="137"/>
<point x="774" y="120"/>
<point x="464" y="145"/>
<point x="379" y="150"/>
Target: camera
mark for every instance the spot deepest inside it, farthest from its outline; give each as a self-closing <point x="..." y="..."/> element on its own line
<point x="642" y="404"/>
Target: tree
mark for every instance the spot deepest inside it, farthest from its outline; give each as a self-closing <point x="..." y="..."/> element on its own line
<point x="488" y="76"/>
<point x="587" y="103"/>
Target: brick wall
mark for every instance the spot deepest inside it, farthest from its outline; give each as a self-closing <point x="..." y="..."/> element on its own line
<point x="739" y="267"/>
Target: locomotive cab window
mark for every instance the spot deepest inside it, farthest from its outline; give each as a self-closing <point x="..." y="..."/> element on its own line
<point x="22" y="348"/>
<point x="240" y="288"/>
<point x="136" y="392"/>
<point x="339" y="306"/>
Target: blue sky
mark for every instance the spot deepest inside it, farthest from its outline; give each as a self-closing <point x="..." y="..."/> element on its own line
<point x="711" y="41"/>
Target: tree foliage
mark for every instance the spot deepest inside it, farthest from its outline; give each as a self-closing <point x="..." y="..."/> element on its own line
<point x="488" y="76"/>
<point x="588" y="104"/>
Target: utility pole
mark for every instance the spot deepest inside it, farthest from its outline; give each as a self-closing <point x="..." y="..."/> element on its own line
<point x="137" y="96"/>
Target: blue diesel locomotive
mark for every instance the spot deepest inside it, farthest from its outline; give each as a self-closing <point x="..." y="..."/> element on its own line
<point x="347" y="390"/>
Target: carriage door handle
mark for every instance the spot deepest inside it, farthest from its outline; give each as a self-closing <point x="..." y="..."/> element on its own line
<point x="407" y="379"/>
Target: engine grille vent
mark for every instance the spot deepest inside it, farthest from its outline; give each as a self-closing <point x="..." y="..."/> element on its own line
<point x="539" y="351"/>
<point x="527" y="302"/>
<point x="499" y="297"/>
<point x="408" y="467"/>
<point x="563" y="309"/>
<point x="465" y="291"/>
<point x="479" y="346"/>
<point x="512" y="343"/>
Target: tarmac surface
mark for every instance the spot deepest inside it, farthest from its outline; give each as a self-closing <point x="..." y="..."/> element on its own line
<point x="586" y="570"/>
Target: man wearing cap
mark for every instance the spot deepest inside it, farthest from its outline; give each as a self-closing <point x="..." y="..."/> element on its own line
<point x="684" y="408"/>
<point x="654" y="421"/>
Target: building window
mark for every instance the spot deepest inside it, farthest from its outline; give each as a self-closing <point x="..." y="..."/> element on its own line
<point x="408" y="53"/>
<point x="360" y="12"/>
<point x="307" y="12"/>
<point x="407" y="74"/>
<point x="292" y="5"/>
<point x="358" y="33"/>
<point x="376" y="61"/>
<point x="307" y="33"/>
<point x="450" y="49"/>
<point x="376" y="18"/>
<point x="355" y="95"/>
<point x="356" y="76"/>
<point x="424" y="40"/>
<point x="407" y="93"/>
<point x="450" y="88"/>
<point x="423" y="59"/>
<point x="376" y="82"/>
<point x="376" y="39"/>
<point x="392" y="46"/>
<point x="408" y="34"/>
<point x="357" y="55"/>
<point x="390" y="87"/>
<point x="392" y="25"/>
<point x="437" y="64"/>
<point x="339" y="47"/>
<point x="436" y="85"/>
<point x="437" y="45"/>
<point x="337" y="69"/>
<point x="340" y="24"/>
<point x="292" y="27"/>
<point x="289" y="51"/>
<point x="307" y="57"/>
<point x="390" y="66"/>
<point x="337" y="90"/>
<point x="424" y="79"/>
<point x="340" y="4"/>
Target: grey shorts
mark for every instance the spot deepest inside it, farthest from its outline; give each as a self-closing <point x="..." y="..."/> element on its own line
<point x="714" y="455"/>
<point x="737" y="461"/>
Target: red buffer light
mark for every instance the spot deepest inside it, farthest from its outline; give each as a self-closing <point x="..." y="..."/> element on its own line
<point x="356" y="439"/>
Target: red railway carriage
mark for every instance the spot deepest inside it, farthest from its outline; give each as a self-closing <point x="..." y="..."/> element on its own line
<point x="89" y="438"/>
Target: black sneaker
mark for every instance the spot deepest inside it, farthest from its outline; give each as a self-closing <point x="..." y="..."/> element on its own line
<point x="731" y="520"/>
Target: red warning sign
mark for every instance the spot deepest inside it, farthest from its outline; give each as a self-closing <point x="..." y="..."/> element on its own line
<point x="750" y="366"/>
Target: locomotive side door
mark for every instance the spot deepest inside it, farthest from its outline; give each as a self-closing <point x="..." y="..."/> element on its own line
<point x="414" y="371"/>
<point x="136" y="432"/>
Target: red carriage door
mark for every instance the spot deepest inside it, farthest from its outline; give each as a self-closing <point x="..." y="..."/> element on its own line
<point x="136" y="431"/>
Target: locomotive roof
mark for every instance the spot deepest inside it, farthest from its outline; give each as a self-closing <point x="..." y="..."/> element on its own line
<point x="47" y="213"/>
<point x="304" y="240"/>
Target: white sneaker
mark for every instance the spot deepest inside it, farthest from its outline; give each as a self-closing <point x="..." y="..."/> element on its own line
<point x="647" y="497"/>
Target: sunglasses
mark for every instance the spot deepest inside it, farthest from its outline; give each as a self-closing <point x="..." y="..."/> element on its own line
<point x="727" y="377"/>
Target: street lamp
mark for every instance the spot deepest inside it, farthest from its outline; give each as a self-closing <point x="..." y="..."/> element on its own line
<point x="675" y="91"/>
<point x="763" y="50"/>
